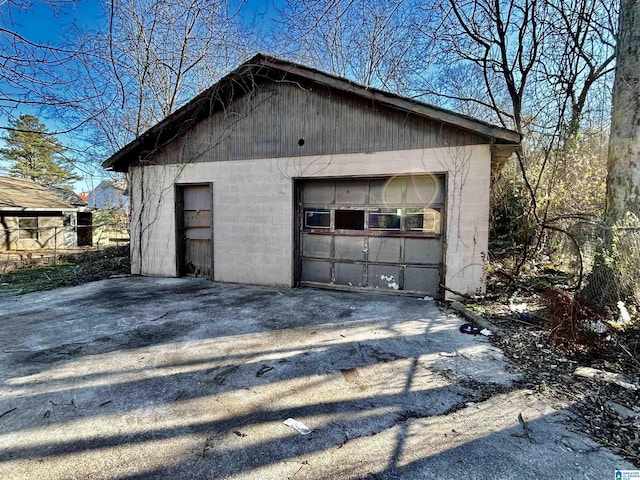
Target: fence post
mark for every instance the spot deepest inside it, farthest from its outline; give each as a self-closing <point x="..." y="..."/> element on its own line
<point x="55" y="245"/>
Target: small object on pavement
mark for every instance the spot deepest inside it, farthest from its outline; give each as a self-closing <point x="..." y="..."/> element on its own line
<point x="427" y="299"/>
<point x="264" y="369"/>
<point x="470" y="329"/>
<point x="486" y="332"/>
<point x="300" y="427"/>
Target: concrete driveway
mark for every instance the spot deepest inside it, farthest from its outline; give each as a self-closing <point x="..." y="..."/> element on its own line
<point x="137" y="378"/>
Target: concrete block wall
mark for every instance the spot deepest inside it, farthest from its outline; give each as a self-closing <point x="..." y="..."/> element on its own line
<point x="253" y="210"/>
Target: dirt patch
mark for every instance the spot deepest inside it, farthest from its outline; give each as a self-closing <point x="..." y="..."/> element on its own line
<point x="606" y="412"/>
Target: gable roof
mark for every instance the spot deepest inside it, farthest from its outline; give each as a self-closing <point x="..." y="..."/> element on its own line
<point x="263" y="67"/>
<point x="119" y="187"/>
<point x="22" y="194"/>
<point x="68" y="196"/>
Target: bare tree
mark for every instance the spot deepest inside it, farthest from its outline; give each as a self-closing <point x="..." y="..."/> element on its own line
<point x="152" y="57"/>
<point x="535" y="65"/>
<point x="615" y="274"/>
<point x="33" y="74"/>
<point x="580" y="51"/>
<point x="374" y="43"/>
<point x="501" y="41"/>
<point x="576" y="61"/>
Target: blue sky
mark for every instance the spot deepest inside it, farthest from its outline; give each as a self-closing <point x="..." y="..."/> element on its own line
<point x="44" y="24"/>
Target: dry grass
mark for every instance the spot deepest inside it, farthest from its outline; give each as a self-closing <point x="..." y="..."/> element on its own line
<point x="72" y="269"/>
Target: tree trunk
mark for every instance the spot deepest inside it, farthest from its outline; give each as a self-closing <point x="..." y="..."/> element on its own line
<point x="623" y="180"/>
<point x="606" y="285"/>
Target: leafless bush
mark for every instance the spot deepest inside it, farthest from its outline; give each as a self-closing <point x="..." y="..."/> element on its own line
<point x="575" y="324"/>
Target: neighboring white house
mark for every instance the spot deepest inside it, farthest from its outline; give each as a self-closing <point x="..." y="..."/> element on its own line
<point x="280" y="174"/>
<point x="109" y="194"/>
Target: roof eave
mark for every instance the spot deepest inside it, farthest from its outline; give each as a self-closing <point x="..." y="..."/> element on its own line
<point x="504" y="135"/>
<point x="120" y="160"/>
<point x="9" y="209"/>
<point x="500" y="153"/>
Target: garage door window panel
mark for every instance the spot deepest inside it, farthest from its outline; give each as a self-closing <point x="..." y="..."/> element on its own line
<point x="425" y="220"/>
<point x="349" y="220"/>
<point x="385" y="220"/>
<point x="317" y="218"/>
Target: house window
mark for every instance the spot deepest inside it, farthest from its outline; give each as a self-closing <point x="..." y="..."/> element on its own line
<point x="28" y="228"/>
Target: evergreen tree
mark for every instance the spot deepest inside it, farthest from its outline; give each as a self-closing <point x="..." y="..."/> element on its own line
<point x="33" y="153"/>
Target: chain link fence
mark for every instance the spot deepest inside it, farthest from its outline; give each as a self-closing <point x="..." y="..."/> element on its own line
<point x="625" y="257"/>
<point x="607" y="260"/>
<point x="27" y="246"/>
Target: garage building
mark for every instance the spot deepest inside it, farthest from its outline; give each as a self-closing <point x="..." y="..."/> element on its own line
<point x="280" y="174"/>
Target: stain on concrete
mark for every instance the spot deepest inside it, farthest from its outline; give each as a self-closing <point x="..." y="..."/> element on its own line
<point x="143" y="378"/>
<point x="144" y="336"/>
<point x="221" y="377"/>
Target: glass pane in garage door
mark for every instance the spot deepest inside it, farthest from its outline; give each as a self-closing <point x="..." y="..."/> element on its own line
<point x="317" y="218"/>
<point x="425" y="220"/>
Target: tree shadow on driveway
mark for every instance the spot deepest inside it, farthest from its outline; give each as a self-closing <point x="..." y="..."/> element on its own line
<point x="373" y="376"/>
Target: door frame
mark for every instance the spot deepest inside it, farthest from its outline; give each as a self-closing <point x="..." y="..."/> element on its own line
<point x="179" y="225"/>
